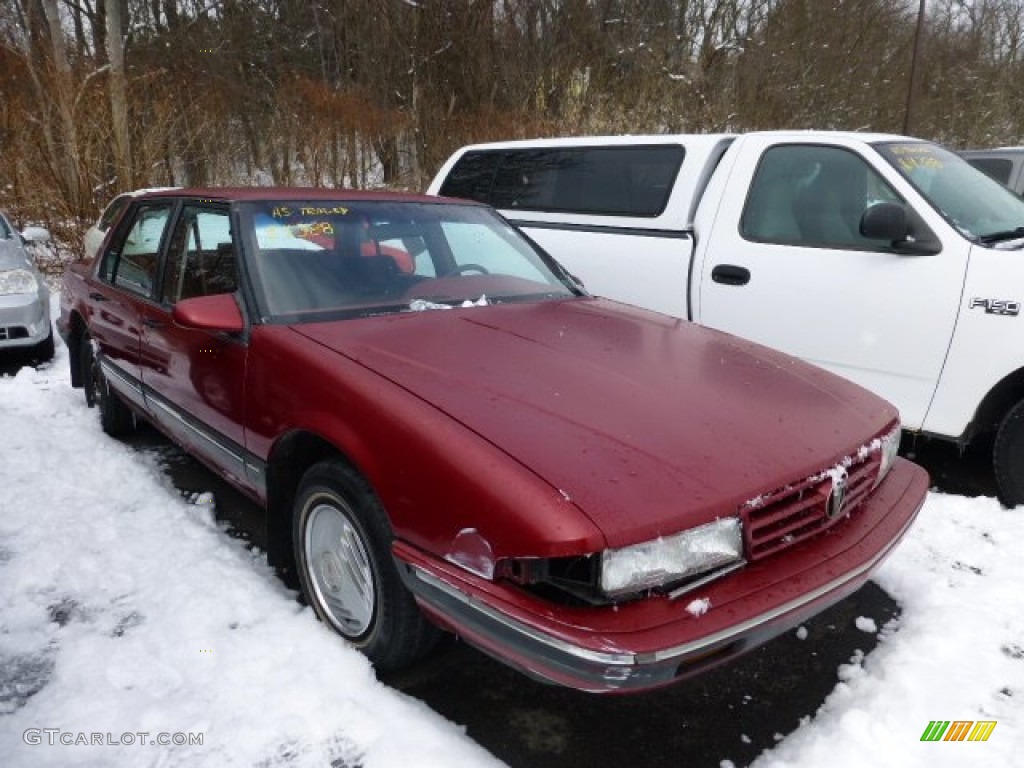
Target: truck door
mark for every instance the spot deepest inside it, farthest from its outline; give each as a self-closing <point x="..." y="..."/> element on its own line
<point x="785" y="265"/>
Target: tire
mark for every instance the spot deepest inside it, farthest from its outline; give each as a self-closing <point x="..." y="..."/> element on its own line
<point x="1008" y="457"/>
<point x="342" y="543"/>
<point x="116" y="419"/>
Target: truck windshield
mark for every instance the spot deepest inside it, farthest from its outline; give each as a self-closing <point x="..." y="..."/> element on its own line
<point x="330" y="259"/>
<point x="982" y="209"/>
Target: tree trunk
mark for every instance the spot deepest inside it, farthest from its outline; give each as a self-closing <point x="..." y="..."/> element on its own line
<point x="65" y="106"/>
<point x="119" y="95"/>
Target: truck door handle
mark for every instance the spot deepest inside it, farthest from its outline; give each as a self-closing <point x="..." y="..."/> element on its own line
<point x="97" y="296"/>
<point x="729" y="274"/>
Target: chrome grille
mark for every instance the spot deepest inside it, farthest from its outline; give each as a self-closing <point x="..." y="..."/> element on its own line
<point x="796" y="512"/>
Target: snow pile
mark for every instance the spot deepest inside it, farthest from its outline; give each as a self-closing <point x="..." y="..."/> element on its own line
<point x="124" y="609"/>
<point x="956" y="653"/>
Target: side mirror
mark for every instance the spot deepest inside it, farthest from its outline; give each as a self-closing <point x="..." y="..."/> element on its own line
<point x="905" y="232"/>
<point x="218" y="313"/>
<point x="885" y="221"/>
<point x="36" y="234"/>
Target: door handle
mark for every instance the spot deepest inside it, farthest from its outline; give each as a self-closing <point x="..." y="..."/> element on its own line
<point x="97" y="296"/>
<point x="729" y="274"/>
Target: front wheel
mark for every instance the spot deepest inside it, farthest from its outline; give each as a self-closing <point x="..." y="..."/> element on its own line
<point x="44" y="350"/>
<point x="342" y="543"/>
<point x="116" y="418"/>
<point x="1008" y="457"/>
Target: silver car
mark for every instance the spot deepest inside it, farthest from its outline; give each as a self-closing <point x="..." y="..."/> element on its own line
<point x="24" y="296"/>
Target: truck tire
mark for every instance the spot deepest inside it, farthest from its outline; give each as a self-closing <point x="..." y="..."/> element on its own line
<point x="342" y="542"/>
<point x="116" y="418"/>
<point x="1008" y="457"/>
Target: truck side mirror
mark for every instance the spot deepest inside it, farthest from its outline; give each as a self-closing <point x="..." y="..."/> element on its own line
<point x="885" y="221"/>
<point x="904" y="231"/>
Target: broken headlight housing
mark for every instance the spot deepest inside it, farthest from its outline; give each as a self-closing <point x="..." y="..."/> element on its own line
<point x="714" y="547"/>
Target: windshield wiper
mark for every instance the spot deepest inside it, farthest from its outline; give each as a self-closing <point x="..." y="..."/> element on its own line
<point x="998" y="237"/>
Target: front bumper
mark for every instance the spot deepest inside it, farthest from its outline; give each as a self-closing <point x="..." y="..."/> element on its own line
<point x="654" y="641"/>
<point x="24" y="319"/>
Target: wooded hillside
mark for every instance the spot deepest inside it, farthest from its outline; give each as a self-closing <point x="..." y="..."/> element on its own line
<point x="99" y="96"/>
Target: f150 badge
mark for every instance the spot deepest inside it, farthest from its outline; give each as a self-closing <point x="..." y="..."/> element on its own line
<point x="997" y="306"/>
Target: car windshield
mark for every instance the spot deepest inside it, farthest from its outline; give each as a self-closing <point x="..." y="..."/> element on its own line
<point x="315" y="260"/>
<point x="982" y="209"/>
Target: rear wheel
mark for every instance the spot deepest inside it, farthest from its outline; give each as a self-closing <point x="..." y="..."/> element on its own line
<point x="116" y="419"/>
<point x="342" y="545"/>
<point x="1008" y="457"/>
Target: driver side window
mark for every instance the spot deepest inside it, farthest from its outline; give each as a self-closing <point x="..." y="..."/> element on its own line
<point x="813" y="196"/>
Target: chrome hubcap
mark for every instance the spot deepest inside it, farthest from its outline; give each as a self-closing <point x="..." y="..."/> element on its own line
<point x="339" y="570"/>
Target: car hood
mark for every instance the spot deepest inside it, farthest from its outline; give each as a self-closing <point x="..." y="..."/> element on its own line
<point x="12" y="255"/>
<point x="647" y="423"/>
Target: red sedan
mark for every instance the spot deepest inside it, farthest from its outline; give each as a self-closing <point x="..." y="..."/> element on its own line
<point x="446" y="431"/>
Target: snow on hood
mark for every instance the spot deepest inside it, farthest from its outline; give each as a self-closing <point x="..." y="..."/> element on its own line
<point x="646" y="422"/>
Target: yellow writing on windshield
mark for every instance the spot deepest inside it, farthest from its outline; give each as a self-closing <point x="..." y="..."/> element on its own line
<point x="286" y="212"/>
<point x="314" y="228"/>
<point x="910" y="157"/>
<point x="909" y="164"/>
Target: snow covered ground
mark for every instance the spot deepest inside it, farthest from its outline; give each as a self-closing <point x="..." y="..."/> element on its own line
<point x="124" y="609"/>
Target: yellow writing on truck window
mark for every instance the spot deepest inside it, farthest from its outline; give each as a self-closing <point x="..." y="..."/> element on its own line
<point x="909" y="164"/>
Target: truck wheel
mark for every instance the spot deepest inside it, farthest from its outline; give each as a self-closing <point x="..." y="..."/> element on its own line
<point x="116" y="419"/>
<point x="342" y="543"/>
<point x="1008" y="457"/>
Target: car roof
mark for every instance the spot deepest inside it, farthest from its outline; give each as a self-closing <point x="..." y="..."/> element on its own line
<point x="242" y="194"/>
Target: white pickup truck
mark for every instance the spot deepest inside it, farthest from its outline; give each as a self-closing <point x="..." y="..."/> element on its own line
<point x="885" y="259"/>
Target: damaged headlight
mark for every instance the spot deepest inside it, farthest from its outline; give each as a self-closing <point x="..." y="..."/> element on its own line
<point x="668" y="559"/>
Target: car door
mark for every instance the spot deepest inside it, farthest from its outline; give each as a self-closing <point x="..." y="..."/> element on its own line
<point x="786" y="266"/>
<point x="124" y="282"/>
<point x="194" y="380"/>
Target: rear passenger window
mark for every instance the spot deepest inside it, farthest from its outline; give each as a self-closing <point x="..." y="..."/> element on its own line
<point x="112" y="212"/>
<point x="603" y="181"/>
<point x="132" y="265"/>
<point x="999" y="168"/>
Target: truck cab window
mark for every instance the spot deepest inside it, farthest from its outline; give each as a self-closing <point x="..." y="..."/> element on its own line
<point x="998" y="168"/>
<point x="813" y="196"/>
